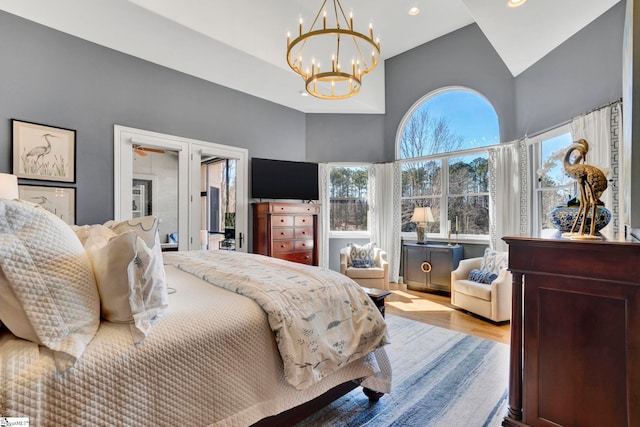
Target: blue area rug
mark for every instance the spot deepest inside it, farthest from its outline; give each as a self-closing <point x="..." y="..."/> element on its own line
<point x="440" y="378"/>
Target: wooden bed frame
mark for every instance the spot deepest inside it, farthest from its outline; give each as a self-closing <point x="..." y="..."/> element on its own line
<point x="300" y="412"/>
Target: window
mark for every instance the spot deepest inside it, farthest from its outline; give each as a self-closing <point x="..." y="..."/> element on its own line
<point x="468" y="199"/>
<point x="552" y="187"/>
<point x="445" y="163"/>
<point x="348" y="198"/>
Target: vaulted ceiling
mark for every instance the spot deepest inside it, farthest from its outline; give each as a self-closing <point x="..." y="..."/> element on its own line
<point x="241" y="44"/>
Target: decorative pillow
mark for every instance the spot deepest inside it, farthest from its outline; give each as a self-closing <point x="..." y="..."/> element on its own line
<point x="132" y="285"/>
<point x="48" y="294"/>
<point x="362" y="255"/>
<point x="481" y="276"/>
<point x="494" y="261"/>
<point x="361" y="263"/>
<point x="146" y="228"/>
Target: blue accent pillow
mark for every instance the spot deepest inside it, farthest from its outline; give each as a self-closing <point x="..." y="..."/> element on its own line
<point x="482" y="276"/>
<point x="361" y="263"/>
<point x="361" y="255"/>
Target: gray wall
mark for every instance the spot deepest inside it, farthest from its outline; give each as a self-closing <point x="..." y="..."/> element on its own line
<point x="52" y="78"/>
<point x="345" y="138"/>
<point x="583" y="73"/>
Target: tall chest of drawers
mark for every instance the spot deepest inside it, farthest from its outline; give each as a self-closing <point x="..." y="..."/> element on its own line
<point x="286" y="230"/>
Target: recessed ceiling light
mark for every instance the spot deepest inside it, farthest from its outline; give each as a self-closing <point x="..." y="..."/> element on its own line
<point x="516" y="3"/>
<point x="414" y="10"/>
<point x="304" y="93"/>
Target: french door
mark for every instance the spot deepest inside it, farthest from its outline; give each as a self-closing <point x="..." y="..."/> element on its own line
<point x="162" y="175"/>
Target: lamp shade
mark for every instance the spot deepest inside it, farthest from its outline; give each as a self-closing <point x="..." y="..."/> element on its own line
<point x="8" y="186"/>
<point x="421" y="214"/>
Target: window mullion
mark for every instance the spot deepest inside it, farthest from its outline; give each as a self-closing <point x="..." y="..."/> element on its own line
<point x="444" y="197"/>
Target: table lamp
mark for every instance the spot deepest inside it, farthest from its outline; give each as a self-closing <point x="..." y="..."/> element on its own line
<point x="8" y="186"/>
<point x="421" y="216"/>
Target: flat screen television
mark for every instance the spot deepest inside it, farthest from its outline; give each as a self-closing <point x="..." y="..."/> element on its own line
<point x="283" y="179"/>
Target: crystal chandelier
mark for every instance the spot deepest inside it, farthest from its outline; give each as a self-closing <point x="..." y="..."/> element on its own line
<point x="331" y="57"/>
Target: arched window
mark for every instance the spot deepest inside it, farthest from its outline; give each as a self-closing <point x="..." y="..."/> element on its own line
<point x="441" y="145"/>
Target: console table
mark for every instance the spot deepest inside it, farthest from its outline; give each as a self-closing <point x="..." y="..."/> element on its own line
<point x="429" y="266"/>
<point x="575" y="344"/>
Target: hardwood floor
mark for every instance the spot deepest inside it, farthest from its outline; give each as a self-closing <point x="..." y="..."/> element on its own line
<point x="436" y="309"/>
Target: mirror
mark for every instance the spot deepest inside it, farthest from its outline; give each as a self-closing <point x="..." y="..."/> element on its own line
<point x="155" y="190"/>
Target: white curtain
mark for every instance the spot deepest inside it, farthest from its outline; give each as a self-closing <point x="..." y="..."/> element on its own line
<point x="323" y="238"/>
<point x="505" y="190"/>
<point x="595" y="127"/>
<point x="384" y="202"/>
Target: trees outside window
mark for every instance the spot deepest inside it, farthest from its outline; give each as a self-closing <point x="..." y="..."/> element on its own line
<point x="348" y="198"/>
<point x="445" y="164"/>
<point x="468" y="200"/>
<point x="553" y="187"/>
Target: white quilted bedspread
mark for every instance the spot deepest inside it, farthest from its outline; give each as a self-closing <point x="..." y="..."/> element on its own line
<point x="211" y="360"/>
<point x="321" y="319"/>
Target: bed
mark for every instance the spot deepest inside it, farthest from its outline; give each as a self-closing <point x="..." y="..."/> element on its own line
<point x="210" y="357"/>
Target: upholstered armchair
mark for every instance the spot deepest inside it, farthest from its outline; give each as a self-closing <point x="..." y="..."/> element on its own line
<point x="483" y="286"/>
<point x="371" y="274"/>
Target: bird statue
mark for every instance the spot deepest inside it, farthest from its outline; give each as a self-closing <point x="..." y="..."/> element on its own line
<point x="43" y="150"/>
<point x="592" y="182"/>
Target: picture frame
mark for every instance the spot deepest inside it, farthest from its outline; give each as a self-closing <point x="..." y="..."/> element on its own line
<point x="43" y="152"/>
<point x="61" y="201"/>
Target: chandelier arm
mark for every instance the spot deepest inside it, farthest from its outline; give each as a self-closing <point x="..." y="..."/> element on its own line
<point x="318" y="15"/>
<point x="364" y="63"/>
<point x="338" y="49"/>
<point x="342" y="12"/>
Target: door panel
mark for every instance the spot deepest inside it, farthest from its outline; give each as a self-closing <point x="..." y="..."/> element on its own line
<point x="175" y="197"/>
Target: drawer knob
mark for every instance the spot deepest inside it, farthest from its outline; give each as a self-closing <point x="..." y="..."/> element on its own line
<point x="425" y="267"/>
<point x="282" y="220"/>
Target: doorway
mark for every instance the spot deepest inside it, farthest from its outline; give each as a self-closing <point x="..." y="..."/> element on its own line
<point x="169" y="180"/>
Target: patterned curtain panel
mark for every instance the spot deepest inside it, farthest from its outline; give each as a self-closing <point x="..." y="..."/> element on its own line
<point x="323" y="226"/>
<point x="505" y="188"/>
<point x="384" y="200"/>
<point x="595" y="127"/>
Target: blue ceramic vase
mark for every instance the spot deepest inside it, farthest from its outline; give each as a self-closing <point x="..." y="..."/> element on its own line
<point x="562" y="218"/>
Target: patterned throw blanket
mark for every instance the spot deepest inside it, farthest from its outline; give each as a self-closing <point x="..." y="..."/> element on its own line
<point x="321" y="319"/>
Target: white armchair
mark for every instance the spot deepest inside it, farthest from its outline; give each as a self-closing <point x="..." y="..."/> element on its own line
<point x="371" y="277"/>
<point x="490" y="300"/>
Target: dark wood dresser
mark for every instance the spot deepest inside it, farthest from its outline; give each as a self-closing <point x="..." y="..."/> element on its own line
<point x="575" y="333"/>
<point x="286" y="230"/>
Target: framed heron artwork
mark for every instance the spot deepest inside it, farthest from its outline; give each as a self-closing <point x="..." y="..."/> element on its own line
<point x="60" y="201"/>
<point x="43" y="152"/>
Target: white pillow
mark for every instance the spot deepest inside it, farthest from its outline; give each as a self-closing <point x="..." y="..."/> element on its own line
<point x="130" y="273"/>
<point x="146" y="228"/>
<point x="48" y="294"/>
<point x="126" y="270"/>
